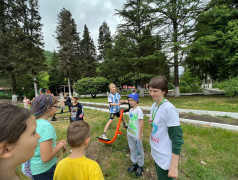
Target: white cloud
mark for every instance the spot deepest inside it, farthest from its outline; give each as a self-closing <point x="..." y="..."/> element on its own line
<point x="92" y="13"/>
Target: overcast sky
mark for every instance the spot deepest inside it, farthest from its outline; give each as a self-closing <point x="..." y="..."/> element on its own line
<point x="89" y="12"/>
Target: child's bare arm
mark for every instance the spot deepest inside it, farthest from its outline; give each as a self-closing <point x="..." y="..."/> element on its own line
<point x="48" y="152"/>
<point x="173" y="169"/>
<point x="123" y="101"/>
<point x="115" y="104"/>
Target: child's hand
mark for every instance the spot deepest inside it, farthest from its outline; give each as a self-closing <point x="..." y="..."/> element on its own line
<point x="63" y="142"/>
<point x="173" y="172"/>
<point x="64" y="148"/>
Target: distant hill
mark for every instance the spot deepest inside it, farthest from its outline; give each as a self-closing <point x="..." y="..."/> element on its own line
<point x="48" y="56"/>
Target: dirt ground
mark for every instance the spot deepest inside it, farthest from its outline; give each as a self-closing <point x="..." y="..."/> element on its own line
<point x="96" y="151"/>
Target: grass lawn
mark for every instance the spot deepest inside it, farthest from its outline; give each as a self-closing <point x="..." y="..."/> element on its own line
<point x="209" y="103"/>
<point x="216" y="147"/>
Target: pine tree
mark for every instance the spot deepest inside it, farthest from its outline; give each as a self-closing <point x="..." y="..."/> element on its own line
<point x="88" y="55"/>
<point x="104" y="40"/>
<point x="20" y="38"/>
<point x="144" y="51"/>
<point x="68" y="39"/>
<point x="36" y="61"/>
<point x="175" y="20"/>
<point x="55" y="78"/>
<point x="214" y="50"/>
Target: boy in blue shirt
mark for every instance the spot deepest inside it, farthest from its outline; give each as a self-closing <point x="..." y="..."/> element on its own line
<point x="114" y="100"/>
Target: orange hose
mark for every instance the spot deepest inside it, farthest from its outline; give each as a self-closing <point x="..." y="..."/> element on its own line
<point x="117" y="131"/>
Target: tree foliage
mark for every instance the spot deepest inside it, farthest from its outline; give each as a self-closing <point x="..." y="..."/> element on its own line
<point x="55" y="78"/>
<point x="230" y="87"/>
<point x="104" y="40"/>
<point x="91" y="86"/>
<point x="215" y="49"/>
<point x="68" y="39"/>
<point x="88" y="55"/>
<point x="20" y="39"/>
<point x="135" y="56"/>
<point x="175" y="21"/>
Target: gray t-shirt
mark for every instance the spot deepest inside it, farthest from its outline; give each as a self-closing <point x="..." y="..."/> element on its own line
<point x="161" y="145"/>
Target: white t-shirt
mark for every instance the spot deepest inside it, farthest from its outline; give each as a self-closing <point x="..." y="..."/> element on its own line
<point x="161" y="145"/>
<point x="114" y="98"/>
<point x="134" y="124"/>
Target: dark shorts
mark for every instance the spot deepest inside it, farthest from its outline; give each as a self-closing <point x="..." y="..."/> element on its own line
<point x="161" y="173"/>
<point x="48" y="175"/>
<point x="112" y="115"/>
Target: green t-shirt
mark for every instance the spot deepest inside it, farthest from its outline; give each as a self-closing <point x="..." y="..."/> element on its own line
<point x="47" y="132"/>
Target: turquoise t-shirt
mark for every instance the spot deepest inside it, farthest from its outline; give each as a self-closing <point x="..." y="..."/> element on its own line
<point x="47" y="132"/>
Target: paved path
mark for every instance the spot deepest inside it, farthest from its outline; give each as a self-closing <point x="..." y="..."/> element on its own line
<point x="200" y="112"/>
<point x="195" y="122"/>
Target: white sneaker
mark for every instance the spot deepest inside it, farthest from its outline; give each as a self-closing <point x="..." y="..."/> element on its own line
<point x="103" y="136"/>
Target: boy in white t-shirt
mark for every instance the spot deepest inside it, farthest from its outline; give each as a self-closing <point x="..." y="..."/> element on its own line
<point x="134" y="135"/>
<point x="166" y="136"/>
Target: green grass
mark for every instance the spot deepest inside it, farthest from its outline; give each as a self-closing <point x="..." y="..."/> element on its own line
<point x="209" y="103"/>
<point x="216" y="147"/>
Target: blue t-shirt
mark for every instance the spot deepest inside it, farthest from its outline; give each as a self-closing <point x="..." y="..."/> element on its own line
<point x="47" y="132"/>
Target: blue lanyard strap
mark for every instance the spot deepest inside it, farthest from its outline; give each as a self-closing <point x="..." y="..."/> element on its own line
<point x="153" y="114"/>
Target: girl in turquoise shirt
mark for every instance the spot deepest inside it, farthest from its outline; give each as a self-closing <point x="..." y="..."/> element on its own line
<point x="42" y="165"/>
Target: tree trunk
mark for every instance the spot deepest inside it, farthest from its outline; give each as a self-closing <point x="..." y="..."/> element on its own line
<point x="73" y="89"/>
<point x="69" y="88"/>
<point x="35" y="86"/>
<point x="175" y="50"/>
<point x="93" y="95"/>
<point x="14" y="83"/>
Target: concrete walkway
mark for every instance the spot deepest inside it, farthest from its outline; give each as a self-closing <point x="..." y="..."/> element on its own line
<point x="199" y="112"/>
<point x="190" y="121"/>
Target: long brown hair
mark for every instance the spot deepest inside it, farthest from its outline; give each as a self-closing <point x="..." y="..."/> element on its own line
<point x="12" y="122"/>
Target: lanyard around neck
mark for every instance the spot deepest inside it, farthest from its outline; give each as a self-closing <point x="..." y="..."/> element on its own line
<point x="153" y="114"/>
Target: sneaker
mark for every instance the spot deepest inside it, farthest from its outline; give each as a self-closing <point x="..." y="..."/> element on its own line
<point x="54" y="119"/>
<point x="125" y="125"/>
<point x="104" y="137"/>
<point x="139" y="171"/>
<point x="132" y="168"/>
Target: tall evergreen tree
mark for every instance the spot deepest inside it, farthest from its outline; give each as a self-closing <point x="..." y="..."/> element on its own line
<point x="214" y="49"/>
<point x="68" y="39"/>
<point x="20" y="38"/>
<point x="104" y="40"/>
<point x="55" y="78"/>
<point x="175" y="20"/>
<point x="138" y="28"/>
<point x="36" y="60"/>
<point x="88" y="55"/>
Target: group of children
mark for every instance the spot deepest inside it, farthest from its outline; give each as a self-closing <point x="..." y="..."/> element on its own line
<point x="35" y="137"/>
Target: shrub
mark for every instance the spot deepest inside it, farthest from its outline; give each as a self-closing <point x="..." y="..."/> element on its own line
<point x="188" y="79"/>
<point x="91" y="86"/>
<point x="230" y="87"/>
<point x="185" y="89"/>
<point x="170" y="86"/>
